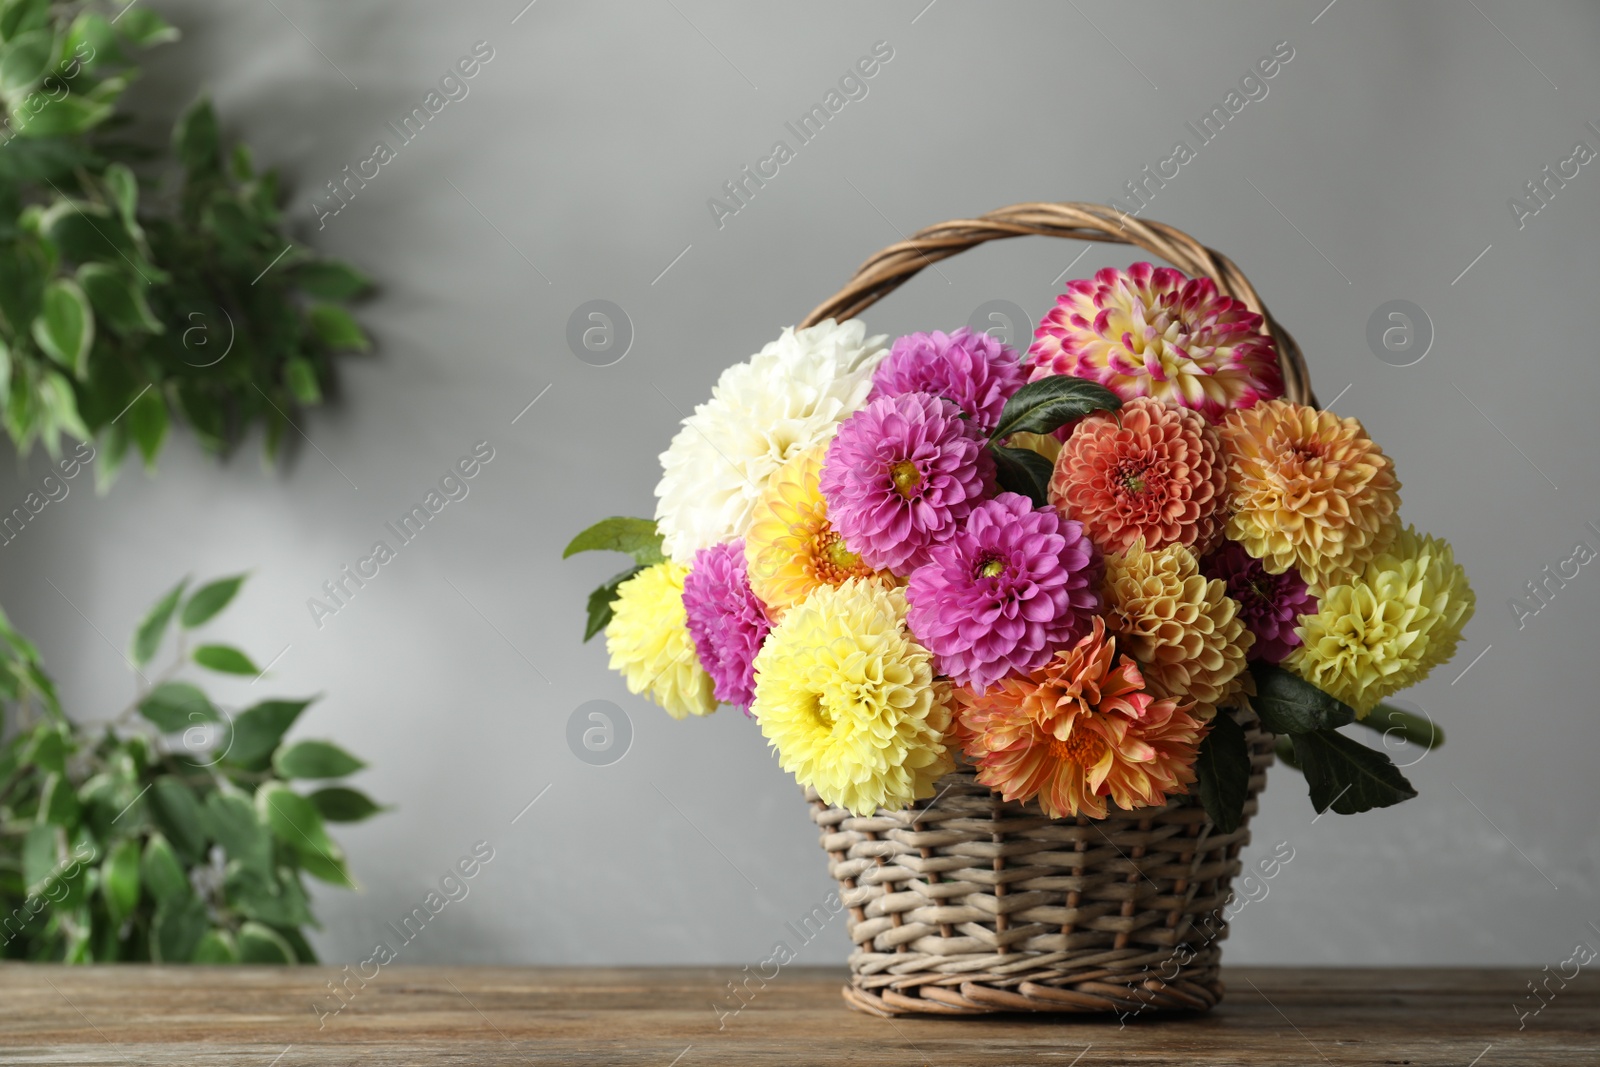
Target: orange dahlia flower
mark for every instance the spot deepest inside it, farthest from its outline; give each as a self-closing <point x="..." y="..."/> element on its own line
<point x="1147" y="471"/>
<point x="1078" y="730"/>
<point x="791" y="548"/>
<point x="1308" y="489"/>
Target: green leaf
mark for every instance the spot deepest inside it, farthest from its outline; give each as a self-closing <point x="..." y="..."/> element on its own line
<point x="58" y="801"/>
<point x="161" y="872"/>
<point x="92" y="41"/>
<point x="210" y="599"/>
<point x="147" y="638"/>
<point x="1288" y="704"/>
<point x="1223" y="769"/>
<point x="48" y="748"/>
<point x="337" y="328"/>
<point x="147" y="424"/>
<point x="24" y="58"/>
<point x="197" y="139"/>
<point x="69" y="116"/>
<point x="258" y="729"/>
<point x="40" y="850"/>
<point x="340" y="804"/>
<point x="1388" y="719"/>
<point x="1283" y="745"/>
<point x="637" y="537"/>
<point x="1021" y="470"/>
<point x="225" y="659"/>
<point x="64" y="328"/>
<point x="232" y="821"/>
<point x="259" y="943"/>
<point x="181" y="817"/>
<point x="314" y="759"/>
<point x="331" y="280"/>
<point x="144" y="27"/>
<point x="118" y="300"/>
<point x="215" y="946"/>
<point x="177" y="928"/>
<point x="294" y="819"/>
<point x="20" y="16"/>
<point x="255" y="895"/>
<point x="1050" y="403"/>
<point x="327" y="868"/>
<point x="176" y="706"/>
<point x="24" y="265"/>
<point x="600" y="603"/>
<point x="301" y="377"/>
<point x="1348" y="776"/>
<point x="124" y="189"/>
<point x="119" y="880"/>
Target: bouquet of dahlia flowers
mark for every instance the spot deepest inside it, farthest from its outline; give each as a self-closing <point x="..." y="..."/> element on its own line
<point x="1062" y="568"/>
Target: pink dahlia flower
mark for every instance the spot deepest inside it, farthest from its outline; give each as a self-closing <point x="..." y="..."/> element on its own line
<point x="1000" y="597"/>
<point x="972" y="370"/>
<point x="1152" y="331"/>
<point x="901" y="475"/>
<point x="1269" y="604"/>
<point x="726" y="621"/>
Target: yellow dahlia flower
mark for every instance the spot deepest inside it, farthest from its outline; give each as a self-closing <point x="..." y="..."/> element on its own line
<point x="648" y="638"/>
<point x="1046" y="444"/>
<point x="1308" y="490"/>
<point x="1387" y="627"/>
<point x="1182" y="628"/>
<point x="790" y="547"/>
<point x="849" y="700"/>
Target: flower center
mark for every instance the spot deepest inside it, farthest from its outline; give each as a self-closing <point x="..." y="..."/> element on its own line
<point x="1132" y="479"/>
<point x="820" y="715"/>
<point x="990" y="567"/>
<point x="906" y="477"/>
<point x="833" y="561"/>
<point x="1083" y="747"/>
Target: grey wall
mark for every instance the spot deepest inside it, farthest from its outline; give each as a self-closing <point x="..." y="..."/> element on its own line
<point x="579" y="167"/>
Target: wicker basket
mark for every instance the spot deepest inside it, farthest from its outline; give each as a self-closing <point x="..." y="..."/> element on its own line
<point x="966" y="904"/>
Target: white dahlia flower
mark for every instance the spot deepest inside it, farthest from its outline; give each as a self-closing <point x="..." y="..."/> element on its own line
<point x="789" y="396"/>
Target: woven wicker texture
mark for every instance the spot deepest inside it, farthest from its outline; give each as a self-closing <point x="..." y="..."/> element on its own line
<point x="966" y="904"/>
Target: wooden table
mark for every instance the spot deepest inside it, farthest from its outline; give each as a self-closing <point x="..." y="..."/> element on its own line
<point x="664" y="1017"/>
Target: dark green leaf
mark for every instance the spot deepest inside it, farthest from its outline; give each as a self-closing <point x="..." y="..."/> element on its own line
<point x="215" y="946"/>
<point x="314" y="759"/>
<point x="294" y="819"/>
<point x="235" y="825"/>
<point x="176" y="706"/>
<point x="326" y="867"/>
<point x="177" y="928"/>
<point x="302" y="948"/>
<point x="210" y="599"/>
<point x="600" y="603"/>
<point x="23" y="59"/>
<point x="181" y="817"/>
<point x="224" y="658"/>
<point x="263" y="896"/>
<point x="330" y="280"/>
<point x="1348" y="776"/>
<point x="262" y="944"/>
<point x="20" y="16"/>
<point x="197" y="139"/>
<point x="57" y="118"/>
<point x="1223" y="769"/>
<point x="117" y="300"/>
<point x="161" y="872"/>
<point x="340" y="804"/>
<point x="24" y="265"/>
<point x="41" y="849"/>
<point x="147" y="638"/>
<point x="64" y="328"/>
<point x="337" y="328"/>
<point x="1388" y="719"/>
<point x="637" y="537"/>
<point x="1050" y="403"/>
<point x="147" y="424"/>
<point x="119" y="880"/>
<point x="58" y="801"/>
<point x="1288" y="704"/>
<point x="1283" y="745"/>
<point x="1021" y="470"/>
<point x="144" y="27"/>
<point x="301" y="377"/>
<point x="48" y="748"/>
<point x="257" y="730"/>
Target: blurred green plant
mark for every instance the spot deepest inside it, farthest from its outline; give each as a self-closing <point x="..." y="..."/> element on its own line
<point x="137" y="289"/>
<point x="170" y="833"/>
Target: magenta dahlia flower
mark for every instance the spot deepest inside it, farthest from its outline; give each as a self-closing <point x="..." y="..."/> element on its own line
<point x="900" y="477"/>
<point x="974" y="371"/>
<point x="1153" y="331"/>
<point x="1270" y="604"/>
<point x="726" y="621"/>
<point x="1000" y="597"/>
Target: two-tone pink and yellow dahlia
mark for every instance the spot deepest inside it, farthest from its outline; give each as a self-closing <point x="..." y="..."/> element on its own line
<point x="1152" y="331"/>
<point x="1147" y="471"/>
<point x="1078" y="730"/>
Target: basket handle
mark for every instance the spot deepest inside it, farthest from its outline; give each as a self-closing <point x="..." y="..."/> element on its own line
<point x="887" y="270"/>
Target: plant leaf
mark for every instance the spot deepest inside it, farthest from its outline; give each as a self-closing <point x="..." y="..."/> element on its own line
<point x="337" y="328"/>
<point x="197" y="139"/>
<point x="338" y="803"/>
<point x="233" y="823"/>
<point x="147" y="423"/>
<point x="330" y="280"/>
<point x="1050" y="403"/>
<point x="1288" y="704"/>
<point x="161" y="872"/>
<point x="258" y="729"/>
<point x="259" y="943"/>
<point x="1387" y="719"/>
<point x="119" y="880"/>
<point x="210" y="599"/>
<point x="179" y="813"/>
<point x="1223" y="770"/>
<point x="147" y="638"/>
<point x="176" y="706"/>
<point x="1348" y="776"/>
<point x="118" y="301"/>
<point x="1021" y="470"/>
<point x="294" y="820"/>
<point x="64" y="328"/>
<point x="1284" y="747"/>
<point x="24" y="59"/>
<point x="600" y="603"/>
<point x="40" y="848"/>
<point x="226" y="659"/>
<point x="215" y="946"/>
<point x="177" y="928"/>
<point x="637" y="537"/>
<point x="314" y="759"/>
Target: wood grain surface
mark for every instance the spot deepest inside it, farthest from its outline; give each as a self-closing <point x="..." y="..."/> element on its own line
<point x="666" y="1017"/>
